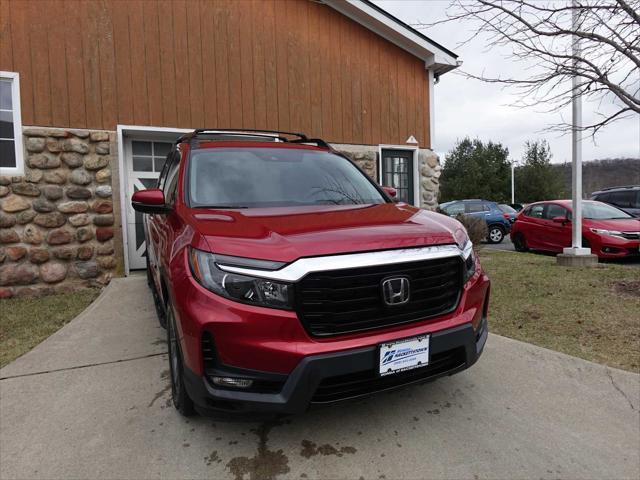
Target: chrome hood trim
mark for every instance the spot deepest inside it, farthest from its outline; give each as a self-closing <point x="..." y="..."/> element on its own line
<point x="303" y="266"/>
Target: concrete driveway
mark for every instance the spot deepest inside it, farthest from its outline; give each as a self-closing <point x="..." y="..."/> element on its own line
<point x="93" y="401"/>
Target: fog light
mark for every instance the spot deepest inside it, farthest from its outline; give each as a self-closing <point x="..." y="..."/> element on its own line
<point x="232" y="382"/>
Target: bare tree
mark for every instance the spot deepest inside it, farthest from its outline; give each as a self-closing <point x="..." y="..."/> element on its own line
<point x="539" y="34"/>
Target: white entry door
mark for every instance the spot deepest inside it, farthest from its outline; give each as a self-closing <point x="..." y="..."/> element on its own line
<point x="144" y="160"/>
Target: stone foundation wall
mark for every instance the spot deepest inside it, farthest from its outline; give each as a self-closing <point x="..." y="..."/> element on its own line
<point x="365" y="156"/>
<point x="430" y="169"/>
<point x="58" y="228"/>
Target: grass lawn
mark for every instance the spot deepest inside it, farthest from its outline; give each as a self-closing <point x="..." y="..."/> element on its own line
<point x="592" y="313"/>
<point x="25" y="322"/>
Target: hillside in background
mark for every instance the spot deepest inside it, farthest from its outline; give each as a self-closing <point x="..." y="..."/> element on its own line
<point x="599" y="174"/>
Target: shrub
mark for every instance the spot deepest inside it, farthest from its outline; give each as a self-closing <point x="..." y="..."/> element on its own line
<point x="476" y="228"/>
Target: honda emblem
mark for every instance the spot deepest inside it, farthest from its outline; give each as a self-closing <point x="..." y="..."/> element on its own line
<point x="395" y="291"/>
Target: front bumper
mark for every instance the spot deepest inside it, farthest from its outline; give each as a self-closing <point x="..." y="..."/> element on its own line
<point x="610" y="247"/>
<point x="332" y="377"/>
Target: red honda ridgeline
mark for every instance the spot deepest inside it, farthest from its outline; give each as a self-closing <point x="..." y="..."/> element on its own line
<point x="286" y="277"/>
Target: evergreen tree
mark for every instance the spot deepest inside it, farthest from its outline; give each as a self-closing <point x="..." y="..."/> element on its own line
<point x="536" y="179"/>
<point x="473" y="169"/>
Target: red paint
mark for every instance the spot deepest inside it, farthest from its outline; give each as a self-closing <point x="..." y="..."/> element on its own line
<point x="151" y="196"/>
<point x="554" y="234"/>
<point x="274" y="340"/>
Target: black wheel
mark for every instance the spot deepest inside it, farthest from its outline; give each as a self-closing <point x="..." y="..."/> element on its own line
<point x="495" y="235"/>
<point x="179" y="394"/>
<point x="519" y="243"/>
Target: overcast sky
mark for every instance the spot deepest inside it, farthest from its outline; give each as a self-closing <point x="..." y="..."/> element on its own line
<point x="470" y="107"/>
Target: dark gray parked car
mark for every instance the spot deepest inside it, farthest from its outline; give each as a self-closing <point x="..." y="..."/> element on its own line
<point x="626" y="198"/>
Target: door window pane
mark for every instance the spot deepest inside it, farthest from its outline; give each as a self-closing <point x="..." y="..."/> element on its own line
<point x="158" y="163"/>
<point x="141" y="148"/>
<point x="161" y="149"/>
<point x="6" y="124"/>
<point x="6" y="102"/>
<point x="142" y="164"/>
<point x="7" y="154"/>
<point x="149" y="156"/>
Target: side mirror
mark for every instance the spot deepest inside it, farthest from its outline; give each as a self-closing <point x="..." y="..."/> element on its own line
<point x="149" y="201"/>
<point x="392" y="192"/>
<point x="561" y="220"/>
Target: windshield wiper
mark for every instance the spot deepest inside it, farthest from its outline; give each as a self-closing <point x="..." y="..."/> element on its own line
<point x="220" y="207"/>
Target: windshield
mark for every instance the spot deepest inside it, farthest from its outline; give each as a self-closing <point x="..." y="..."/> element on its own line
<point x="275" y="177"/>
<point x="602" y="211"/>
<point x="507" y="209"/>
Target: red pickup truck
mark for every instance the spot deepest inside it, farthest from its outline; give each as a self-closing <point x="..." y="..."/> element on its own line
<point x="286" y="277"/>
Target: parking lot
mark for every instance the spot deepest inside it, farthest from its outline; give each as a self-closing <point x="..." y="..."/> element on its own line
<point x="507" y="246"/>
<point x="94" y="401"/>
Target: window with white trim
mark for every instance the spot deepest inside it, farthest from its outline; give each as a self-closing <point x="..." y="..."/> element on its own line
<point x="11" y="156"/>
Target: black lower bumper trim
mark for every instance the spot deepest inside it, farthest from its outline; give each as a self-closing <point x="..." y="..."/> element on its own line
<point x="343" y="375"/>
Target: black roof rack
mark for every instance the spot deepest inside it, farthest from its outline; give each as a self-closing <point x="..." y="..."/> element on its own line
<point x="282" y="136"/>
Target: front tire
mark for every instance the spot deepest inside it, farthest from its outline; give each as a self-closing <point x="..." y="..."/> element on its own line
<point x="496" y="234"/>
<point x="179" y="395"/>
<point x="519" y="243"/>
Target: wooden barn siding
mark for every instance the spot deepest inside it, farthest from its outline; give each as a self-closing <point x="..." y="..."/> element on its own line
<point x="275" y="64"/>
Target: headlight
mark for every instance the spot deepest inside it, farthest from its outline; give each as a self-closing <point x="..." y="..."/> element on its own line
<point x="462" y="238"/>
<point x="612" y="233"/>
<point x="469" y="257"/>
<point x="241" y="288"/>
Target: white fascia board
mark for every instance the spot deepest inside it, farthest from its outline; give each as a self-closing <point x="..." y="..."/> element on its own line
<point x="394" y="32"/>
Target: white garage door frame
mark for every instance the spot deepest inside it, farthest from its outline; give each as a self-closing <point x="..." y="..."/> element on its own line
<point x="138" y="132"/>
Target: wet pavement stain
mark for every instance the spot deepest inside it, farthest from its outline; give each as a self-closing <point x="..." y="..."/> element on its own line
<point x="158" y="395"/>
<point x="266" y="464"/>
<point x="213" y="458"/>
<point x="164" y="375"/>
<point x="309" y="449"/>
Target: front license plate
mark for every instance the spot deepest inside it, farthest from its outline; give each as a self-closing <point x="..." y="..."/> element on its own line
<point x="403" y="355"/>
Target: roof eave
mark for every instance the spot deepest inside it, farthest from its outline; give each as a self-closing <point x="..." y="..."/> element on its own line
<point x="369" y="15"/>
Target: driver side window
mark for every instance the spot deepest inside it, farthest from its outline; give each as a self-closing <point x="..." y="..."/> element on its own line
<point x="535" y="211"/>
<point x="554" y="210"/>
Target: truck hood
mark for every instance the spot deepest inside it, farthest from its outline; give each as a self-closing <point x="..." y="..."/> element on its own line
<point x="288" y="233"/>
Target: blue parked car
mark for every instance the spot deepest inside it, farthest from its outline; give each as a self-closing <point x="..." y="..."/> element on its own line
<point x="498" y="221"/>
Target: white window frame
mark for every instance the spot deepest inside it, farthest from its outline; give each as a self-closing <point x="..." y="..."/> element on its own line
<point x="416" y="168"/>
<point x="14" y="77"/>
